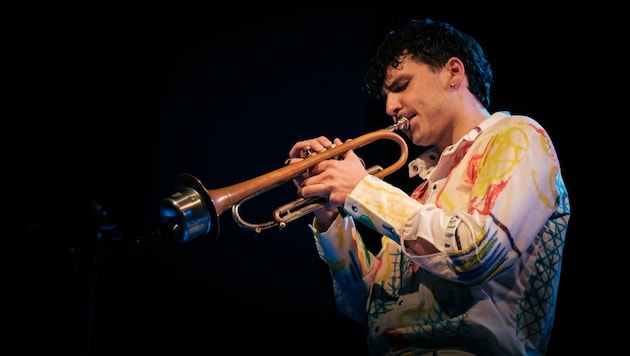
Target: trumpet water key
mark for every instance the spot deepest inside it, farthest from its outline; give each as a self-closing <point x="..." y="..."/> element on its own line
<point x="193" y="211"/>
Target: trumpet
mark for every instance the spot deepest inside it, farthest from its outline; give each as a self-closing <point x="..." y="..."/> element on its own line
<point x="194" y="211"/>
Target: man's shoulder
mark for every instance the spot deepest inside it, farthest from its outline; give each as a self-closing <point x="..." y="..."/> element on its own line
<point x="503" y="120"/>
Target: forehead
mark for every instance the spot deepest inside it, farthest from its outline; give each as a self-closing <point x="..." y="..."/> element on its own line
<point x="407" y="67"/>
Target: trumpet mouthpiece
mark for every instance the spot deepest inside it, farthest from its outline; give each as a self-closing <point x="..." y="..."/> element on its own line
<point x="402" y="123"/>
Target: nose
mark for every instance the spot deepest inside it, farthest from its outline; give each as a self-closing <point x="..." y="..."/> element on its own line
<point x="392" y="106"/>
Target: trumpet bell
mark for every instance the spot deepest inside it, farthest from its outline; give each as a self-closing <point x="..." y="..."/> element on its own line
<point x="189" y="212"/>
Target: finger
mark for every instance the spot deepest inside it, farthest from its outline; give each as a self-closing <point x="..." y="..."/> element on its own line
<point x="298" y="149"/>
<point x="291" y="160"/>
<point x="321" y="144"/>
<point x="298" y="183"/>
<point x="302" y="149"/>
<point x="310" y="147"/>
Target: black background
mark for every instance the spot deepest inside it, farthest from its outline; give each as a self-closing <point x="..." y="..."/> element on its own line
<point x="113" y="103"/>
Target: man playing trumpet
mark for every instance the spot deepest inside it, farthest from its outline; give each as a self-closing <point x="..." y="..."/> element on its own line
<point x="469" y="262"/>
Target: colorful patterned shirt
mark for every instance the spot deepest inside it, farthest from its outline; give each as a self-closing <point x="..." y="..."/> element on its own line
<point x="496" y="207"/>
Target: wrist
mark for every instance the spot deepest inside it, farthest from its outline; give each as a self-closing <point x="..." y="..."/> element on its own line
<point x="322" y="224"/>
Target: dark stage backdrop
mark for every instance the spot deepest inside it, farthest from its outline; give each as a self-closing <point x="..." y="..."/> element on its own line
<point x="140" y="96"/>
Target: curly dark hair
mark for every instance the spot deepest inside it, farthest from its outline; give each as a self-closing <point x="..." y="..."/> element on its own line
<point x="433" y="43"/>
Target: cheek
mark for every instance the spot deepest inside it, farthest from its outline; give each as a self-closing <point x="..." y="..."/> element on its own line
<point x="414" y="131"/>
<point x="417" y="124"/>
<point x="419" y="131"/>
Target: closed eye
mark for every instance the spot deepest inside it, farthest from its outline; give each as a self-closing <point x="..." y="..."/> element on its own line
<point x="397" y="86"/>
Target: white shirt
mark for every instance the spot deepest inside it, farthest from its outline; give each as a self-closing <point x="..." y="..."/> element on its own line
<point x="496" y="207"/>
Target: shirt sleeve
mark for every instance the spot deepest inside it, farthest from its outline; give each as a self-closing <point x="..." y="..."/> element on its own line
<point x="351" y="265"/>
<point x="390" y="211"/>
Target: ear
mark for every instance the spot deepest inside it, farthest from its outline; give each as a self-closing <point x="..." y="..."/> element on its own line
<point x="456" y="68"/>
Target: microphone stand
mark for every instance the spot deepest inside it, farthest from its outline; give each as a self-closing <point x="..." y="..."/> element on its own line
<point x="106" y="241"/>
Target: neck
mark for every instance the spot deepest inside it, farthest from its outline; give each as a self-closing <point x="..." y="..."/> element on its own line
<point x="469" y="119"/>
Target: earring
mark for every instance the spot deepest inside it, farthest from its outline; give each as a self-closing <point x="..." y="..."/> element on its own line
<point x="452" y="86"/>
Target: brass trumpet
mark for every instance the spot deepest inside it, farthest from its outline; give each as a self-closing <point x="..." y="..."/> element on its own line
<point x="193" y="210"/>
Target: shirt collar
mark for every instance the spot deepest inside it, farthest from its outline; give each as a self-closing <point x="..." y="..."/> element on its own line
<point x="424" y="164"/>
